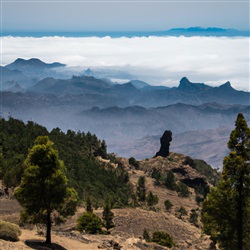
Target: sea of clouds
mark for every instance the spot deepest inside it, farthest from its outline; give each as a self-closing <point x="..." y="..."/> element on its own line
<point x="156" y="60"/>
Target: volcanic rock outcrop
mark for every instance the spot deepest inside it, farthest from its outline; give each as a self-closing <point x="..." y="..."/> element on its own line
<point x="165" y="143"/>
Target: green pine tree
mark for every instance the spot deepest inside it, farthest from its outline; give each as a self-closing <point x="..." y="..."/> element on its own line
<point x="141" y="189"/>
<point x="107" y="216"/>
<point x="226" y="210"/>
<point x="89" y="205"/>
<point x="43" y="187"/>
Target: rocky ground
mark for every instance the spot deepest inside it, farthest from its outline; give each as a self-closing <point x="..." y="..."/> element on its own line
<point x="129" y="222"/>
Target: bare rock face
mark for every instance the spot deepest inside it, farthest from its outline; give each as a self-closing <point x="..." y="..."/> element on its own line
<point x="165" y="143"/>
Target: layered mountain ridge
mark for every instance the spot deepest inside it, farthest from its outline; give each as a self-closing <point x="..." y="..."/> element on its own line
<point x="128" y="115"/>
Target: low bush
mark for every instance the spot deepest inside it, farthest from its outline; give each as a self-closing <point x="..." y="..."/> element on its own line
<point x="132" y="161"/>
<point x="194" y="218"/>
<point x="90" y="223"/>
<point x="162" y="238"/>
<point x="152" y="199"/>
<point x="182" y="190"/>
<point x="168" y="204"/>
<point x="9" y="231"/>
<point x="146" y="236"/>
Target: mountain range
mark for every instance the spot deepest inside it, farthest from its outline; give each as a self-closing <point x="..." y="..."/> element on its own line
<point x="128" y="116"/>
<point x="191" y="31"/>
<point x="35" y="76"/>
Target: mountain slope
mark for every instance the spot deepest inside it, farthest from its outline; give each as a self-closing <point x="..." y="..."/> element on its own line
<point x="32" y="64"/>
<point x="15" y="76"/>
<point x="142" y="94"/>
<point x="130" y="222"/>
<point x="125" y="129"/>
<point x="36" y="68"/>
<point x="53" y="81"/>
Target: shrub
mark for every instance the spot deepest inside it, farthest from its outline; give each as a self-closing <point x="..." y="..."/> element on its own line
<point x="194" y="217"/>
<point x="9" y="231"/>
<point x="182" y="190"/>
<point x="170" y="180"/>
<point x="156" y="174"/>
<point x="163" y="238"/>
<point x="182" y="211"/>
<point x="146" y="236"/>
<point x="89" y="223"/>
<point x="132" y="161"/>
<point x="152" y="199"/>
<point x="168" y="204"/>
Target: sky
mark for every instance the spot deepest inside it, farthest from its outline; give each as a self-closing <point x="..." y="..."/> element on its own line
<point x="156" y="60"/>
<point x="120" y="15"/>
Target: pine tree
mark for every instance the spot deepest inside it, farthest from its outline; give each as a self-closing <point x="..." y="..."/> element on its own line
<point x="141" y="189"/>
<point x="43" y="187"/>
<point x="107" y="216"/>
<point x="89" y="205"/>
<point x="226" y="210"/>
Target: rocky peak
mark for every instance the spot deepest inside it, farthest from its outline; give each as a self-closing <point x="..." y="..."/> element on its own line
<point x="184" y="82"/>
<point x="187" y="86"/>
<point x="165" y="143"/>
<point x="88" y="72"/>
<point x="226" y="85"/>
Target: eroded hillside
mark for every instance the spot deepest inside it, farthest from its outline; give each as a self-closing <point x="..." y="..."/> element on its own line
<point x="130" y="222"/>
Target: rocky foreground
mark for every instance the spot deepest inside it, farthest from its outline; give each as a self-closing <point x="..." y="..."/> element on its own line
<point x="129" y="222"/>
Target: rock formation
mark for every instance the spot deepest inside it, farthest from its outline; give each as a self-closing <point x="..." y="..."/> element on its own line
<point x="165" y="143"/>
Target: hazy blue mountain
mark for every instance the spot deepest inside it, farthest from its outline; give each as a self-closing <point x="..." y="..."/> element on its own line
<point x="12" y="86"/>
<point x="8" y="76"/>
<point x="201" y="131"/>
<point x="125" y="114"/>
<point x="88" y="72"/>
<point x="195" y="94"/>
<point x="76" y="85"/>
<point x="135" y="92"/>
<point x="108" y="81"/>
<point x="192" y="31"/>
<point x="120" y="126"/>
<point x="187" y="86"/>
<point x="210" y="31"/>
<point x="139" y="84"/>
<point x="36" y="68"/>
<point x="116" y="94"/>
<point x="32" y="64"/>
<point x="142" y="94"/>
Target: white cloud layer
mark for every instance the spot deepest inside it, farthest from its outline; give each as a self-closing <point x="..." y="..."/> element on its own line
<point x="156" y="60"/>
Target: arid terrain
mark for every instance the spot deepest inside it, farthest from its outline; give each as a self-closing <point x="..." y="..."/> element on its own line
<point x="129" y="222"/>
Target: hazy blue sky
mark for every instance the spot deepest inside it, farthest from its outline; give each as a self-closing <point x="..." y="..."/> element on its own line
<point x="120" y="15"/>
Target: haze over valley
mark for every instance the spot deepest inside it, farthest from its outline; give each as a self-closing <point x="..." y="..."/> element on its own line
<point x="129" y="116"/>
